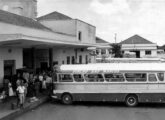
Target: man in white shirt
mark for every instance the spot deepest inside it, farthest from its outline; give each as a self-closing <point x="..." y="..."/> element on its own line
<point x="21" y="91"/>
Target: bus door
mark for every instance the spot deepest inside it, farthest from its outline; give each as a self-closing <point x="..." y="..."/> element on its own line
<point x="152" y="82"/>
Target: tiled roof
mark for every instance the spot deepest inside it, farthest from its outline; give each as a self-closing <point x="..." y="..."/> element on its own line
<point x="136" y="39"/>
<point x="99" y="40"/>
<point x="55" y="16"/>
<point x="14" y="19"/>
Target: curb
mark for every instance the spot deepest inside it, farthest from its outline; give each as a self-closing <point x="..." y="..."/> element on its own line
<point x="26" y="109"/>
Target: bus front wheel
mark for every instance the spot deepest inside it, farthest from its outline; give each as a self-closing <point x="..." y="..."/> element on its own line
<point x="66" y="99"/>
<point x="131" y="100"/>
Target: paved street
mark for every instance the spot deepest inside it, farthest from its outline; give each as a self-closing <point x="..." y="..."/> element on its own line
<point x="95" y="111"/>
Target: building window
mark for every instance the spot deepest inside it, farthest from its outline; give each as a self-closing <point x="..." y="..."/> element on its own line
<point x="80" y="59"/>
<point x="79" y="35"/>
<point x="68" y="60"/>
<point x="148" y="52"/>
<point x="63" y="62"/>
<point x="86" y="59"/>
<point x="73" y="60"/>
<point x="97" y="52"/>
<point x="103" y="51"/>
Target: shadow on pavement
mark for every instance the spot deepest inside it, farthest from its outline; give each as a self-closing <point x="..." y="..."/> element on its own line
<point x="113" y="104"/>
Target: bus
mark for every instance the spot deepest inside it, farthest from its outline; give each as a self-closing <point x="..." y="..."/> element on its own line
<point x="131" y="83"/>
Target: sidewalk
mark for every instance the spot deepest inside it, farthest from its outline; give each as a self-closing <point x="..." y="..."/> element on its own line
<point x="6" y="112"/>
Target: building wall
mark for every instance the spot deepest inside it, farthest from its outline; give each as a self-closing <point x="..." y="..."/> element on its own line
<point x="139" y="46"/>
<point x="10" y="54"/>
<point x="63" y="26"/>
<point x="73" y="27"/>
<point x="88" y="32"/>
<point x="153" y="53"/>
<point x="13" y="29"/>
<point x="60" y="55"/>
<point x="142" y="48"/>
<point x="27" y="8"/>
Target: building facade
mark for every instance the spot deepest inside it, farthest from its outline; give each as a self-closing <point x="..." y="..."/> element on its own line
<point x="140" y="46"/>
<point x="41" y="43"/>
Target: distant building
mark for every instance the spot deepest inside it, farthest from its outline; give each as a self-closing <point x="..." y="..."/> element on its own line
<point x="104" y="50"/>
<point x="140" y="46"/>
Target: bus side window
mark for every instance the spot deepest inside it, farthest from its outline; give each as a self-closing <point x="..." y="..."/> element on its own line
<point x="66" y="78"/>
<point x="108" y="77"/>
<point x="136" y="77"/>
<point x="94" y="78"/>
<point x="114" y="77"/>
<point x="78" y="78"/>
<point x="152" y="78"/>
<point x="160" y="76"/>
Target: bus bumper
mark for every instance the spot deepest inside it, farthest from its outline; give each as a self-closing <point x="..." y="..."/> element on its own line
<point x="55" y="96"/>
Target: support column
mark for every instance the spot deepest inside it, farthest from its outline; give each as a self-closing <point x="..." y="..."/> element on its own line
<point x="51" y="58"/>
<point x="33" y="60"/>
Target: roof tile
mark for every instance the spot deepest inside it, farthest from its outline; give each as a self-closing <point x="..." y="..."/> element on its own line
<point x="136" y="39"/>
<point x="55" y="16"/>
<point x="99" y="40"/>
<point x="15" y="19"/>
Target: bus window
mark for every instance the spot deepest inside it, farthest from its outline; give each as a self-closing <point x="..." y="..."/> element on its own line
<point x="152" y="78"/>
<point x="160" y="76"/>
<point x="114" y="77"/>
<point x="78" y="78"/>
<point x="136" y="77"/>
<point x="65" y="78"/>
<point x="94" y="77"/>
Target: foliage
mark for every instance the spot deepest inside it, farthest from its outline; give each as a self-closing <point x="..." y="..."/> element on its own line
<point x="116" y="50"/>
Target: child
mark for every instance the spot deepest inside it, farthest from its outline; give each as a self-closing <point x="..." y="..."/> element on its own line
<point x="21" y="94"/>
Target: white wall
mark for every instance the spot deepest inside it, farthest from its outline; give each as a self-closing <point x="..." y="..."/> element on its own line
<point x="13" y="29"/>
<point x="73" y="27"/>
<point x="88" y="32"/>
<point x="139" y="46"/>
<point x="60" y="54"/>
<point x="153" y="53"/>
<point x="63" y="26"/>
<point x="15" y="54"/>
<point x="28" y="7"/>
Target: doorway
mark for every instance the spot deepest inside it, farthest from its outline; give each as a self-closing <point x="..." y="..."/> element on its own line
<point x="9" y="67"/>
<point x="137" y="53"/>
<point x="44" y="66"/>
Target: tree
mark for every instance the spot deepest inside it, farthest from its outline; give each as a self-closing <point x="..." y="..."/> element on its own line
<point x="116" y="50"/>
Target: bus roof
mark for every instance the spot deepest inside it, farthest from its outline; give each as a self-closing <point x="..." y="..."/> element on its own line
<point x="113" y="67"/>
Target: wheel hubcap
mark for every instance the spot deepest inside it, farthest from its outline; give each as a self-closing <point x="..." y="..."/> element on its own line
<point x="131" y="101"/>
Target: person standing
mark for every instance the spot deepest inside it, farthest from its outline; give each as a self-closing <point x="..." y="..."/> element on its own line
<point x="11" y="93"/>
<point x="21" y="94"/>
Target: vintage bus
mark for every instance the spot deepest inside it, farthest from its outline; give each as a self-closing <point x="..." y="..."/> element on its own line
<point x="131" y="83"/>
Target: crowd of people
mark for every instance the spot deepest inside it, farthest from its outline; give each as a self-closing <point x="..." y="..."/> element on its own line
<point x="27" y="84"/>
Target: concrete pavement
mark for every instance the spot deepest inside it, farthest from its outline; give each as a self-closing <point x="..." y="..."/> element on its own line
<point x="7" y="113"/>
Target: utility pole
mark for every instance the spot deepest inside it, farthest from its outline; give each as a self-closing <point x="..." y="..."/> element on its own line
<point x="115" y="37"/>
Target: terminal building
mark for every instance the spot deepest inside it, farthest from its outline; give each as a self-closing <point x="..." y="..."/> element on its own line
<point x="40" y="43"/>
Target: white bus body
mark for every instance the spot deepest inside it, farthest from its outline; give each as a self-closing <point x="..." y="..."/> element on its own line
<point x="128" y="82"/>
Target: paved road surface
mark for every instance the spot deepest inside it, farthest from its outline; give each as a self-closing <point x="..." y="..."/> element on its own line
<point x="50" y="111"/>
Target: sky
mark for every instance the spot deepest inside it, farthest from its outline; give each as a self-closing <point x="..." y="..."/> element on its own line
<point x="124" y="18"/>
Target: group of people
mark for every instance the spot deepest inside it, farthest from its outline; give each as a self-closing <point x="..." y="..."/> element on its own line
<point x="28" y="84"/>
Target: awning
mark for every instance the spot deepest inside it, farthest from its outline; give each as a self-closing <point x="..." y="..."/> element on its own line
<point x="24" y="41"/>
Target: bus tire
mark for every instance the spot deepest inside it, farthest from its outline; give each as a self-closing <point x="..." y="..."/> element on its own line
<point x="131" y="100"/>
<point x="66" y="99"/>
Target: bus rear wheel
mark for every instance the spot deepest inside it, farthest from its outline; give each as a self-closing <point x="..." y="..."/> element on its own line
<point x="66" y="99"/>
<point x="131" y="100"/>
